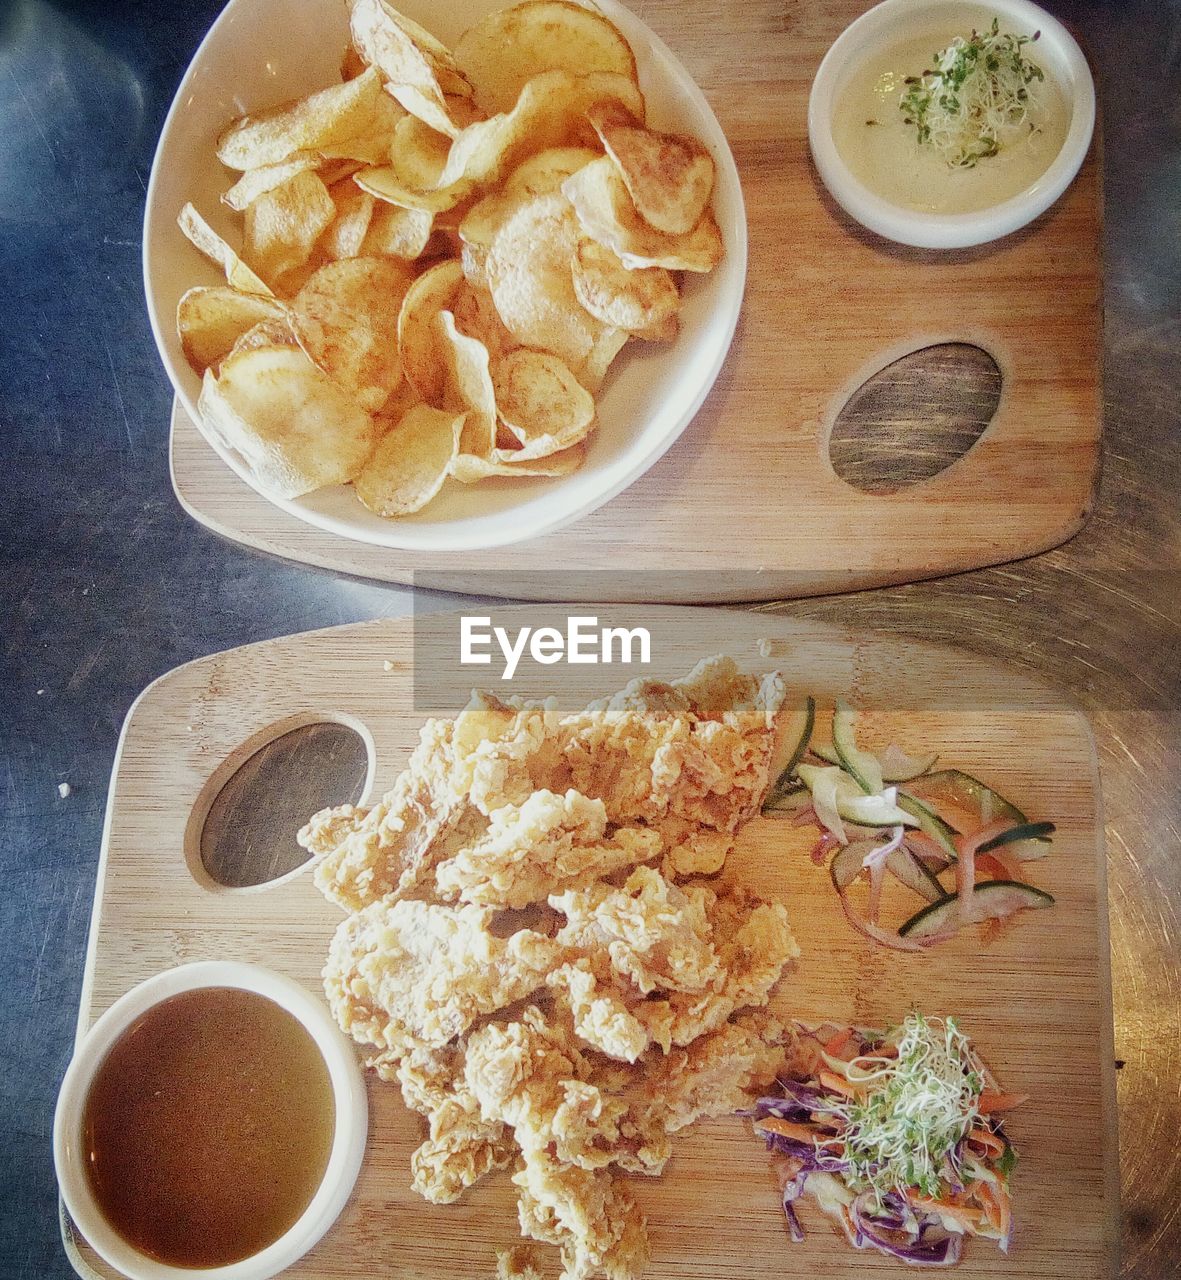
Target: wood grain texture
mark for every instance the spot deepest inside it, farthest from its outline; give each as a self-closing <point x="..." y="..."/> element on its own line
<point x="1038" y="1001"/>
<point x="748" y="489"/>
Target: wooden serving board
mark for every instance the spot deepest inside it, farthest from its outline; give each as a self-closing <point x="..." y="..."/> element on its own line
<point x="1037" y="1001"/>
<point x="749" y="491"/>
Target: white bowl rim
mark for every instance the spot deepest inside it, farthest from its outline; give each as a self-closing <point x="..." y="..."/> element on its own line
<point x="956" y="230"/>
<point x="345" y="1156"/>
<point x="448" y="537"/>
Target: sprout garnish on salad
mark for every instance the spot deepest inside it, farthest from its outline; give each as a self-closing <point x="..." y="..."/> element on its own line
<point x="895" y="1135"/>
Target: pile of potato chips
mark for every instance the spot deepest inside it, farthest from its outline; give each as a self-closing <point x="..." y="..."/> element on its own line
<point x="441" y="257"/>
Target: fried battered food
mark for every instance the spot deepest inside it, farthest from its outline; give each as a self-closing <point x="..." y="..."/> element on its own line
<point x="590" y="1215"/>
<point x="461" y="1146"/>
<point x="689" y="759"/>
<point x="404" y="974"/>
<point x="657" y="962"/>
<point x="519" y="1262"/>
<point x="531" y="959"/>
<point x="542" y="847"/>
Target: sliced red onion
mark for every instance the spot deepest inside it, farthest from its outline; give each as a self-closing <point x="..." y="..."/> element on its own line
<point x="874" y="931"/>
<point x="882" y="852"/>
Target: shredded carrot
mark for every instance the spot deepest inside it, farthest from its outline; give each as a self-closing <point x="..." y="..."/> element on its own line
<point x="973" y="1219"/>
<point x="838" y="1084"/>
<point x="788" y="1129"/>
<point x="997" y="1206"/>
<point x="838" y="1042"/>
<point x="990" y="1101"/>
<point x="989" y="1141"/>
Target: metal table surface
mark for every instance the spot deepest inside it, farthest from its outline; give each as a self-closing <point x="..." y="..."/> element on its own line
<point x="106" y="584"/>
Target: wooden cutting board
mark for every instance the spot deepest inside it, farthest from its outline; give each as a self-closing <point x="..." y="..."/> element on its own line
<point x="749" y="491"/>
<point x="1037" y="1001"/>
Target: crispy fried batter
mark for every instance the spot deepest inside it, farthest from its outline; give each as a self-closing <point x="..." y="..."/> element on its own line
<point x="404" y="974"/>
<point x="589" y="1214"/>
<point x="461" y="1146"/>
<point x="548" y="844"/>
<point x="635" y="1031"/>
<point x="689" y="758"/>
<point x="657" y="962"/>
<point x="518" y="1262"/>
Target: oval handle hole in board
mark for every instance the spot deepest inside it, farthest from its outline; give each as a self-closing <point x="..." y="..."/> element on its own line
<point x="248" y="836"/>
<point x="915" y="417"/>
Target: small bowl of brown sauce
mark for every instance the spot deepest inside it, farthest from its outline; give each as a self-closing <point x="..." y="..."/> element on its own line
<point x="211" y="1123"/>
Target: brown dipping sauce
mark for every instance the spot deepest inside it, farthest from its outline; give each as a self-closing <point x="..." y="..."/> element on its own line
<point x="208" y="1126"/>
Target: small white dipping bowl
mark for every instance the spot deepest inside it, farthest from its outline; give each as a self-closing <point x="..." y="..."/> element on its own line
<point x="261" y="52"/>
<point x="895" y="21"/>
<point x="344" y="1160"/>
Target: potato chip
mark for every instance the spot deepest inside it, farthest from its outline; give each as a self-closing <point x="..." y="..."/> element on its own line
<point x="203" y="238"/>
<point x="209" y="321"/>
<point x="256" y="182"/>
<point x="330" y="172"/>
<point x="469" y="469"/>
<point x="418" y="341"/>
<point x="606" y="213"/>
<point x="550" y="112"/>
<point x="608" y="345"/>
<point x="541" y="402"/>
<point x="669" y="178"/>
<point x="510" y="46"/>
<point x="346" y="319"/>
<point x="283" y="225"/>
<point x="640" y="300"/>
<point x="397" y="233"/>
<point x="385" y="184"/>
<point x="539" y="175"/>
<point x="401" y="401"/>
<point x="408" y="57"/>
<point x="418" y="154"/>
<point x="308" y="124"/>
<point x="267" y="333"/>
<point x="528" y="270"/>
<point x="411" y="462"/>
<point x="467" y="384"/>
<point x="545" y="172"/>
<point x="291" y="424"/>
<point x="472" y="259"/>
<point x="346" y="233"/>
<point x="476" y="315"/>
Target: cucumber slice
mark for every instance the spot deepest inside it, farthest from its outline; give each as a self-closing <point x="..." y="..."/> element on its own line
<point x="863" y="765"/>
<point x="795" y="742"/>
<point x="851" y="802"/>
<point x="847" y="864"/>
<point x="967" y="793"/>
<point x="914" y="875"/>
<point x="1033" y="831"/>
<point x="991" y="899"/>
<point x="895" y="764"/>
<point x="792" y="800"/>
<point x="930" y="823"/>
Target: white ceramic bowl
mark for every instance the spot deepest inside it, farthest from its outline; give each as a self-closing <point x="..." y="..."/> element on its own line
<point x="895" y="21"/>
<point x="344" y="1160"/>
<point x="260" y="52"/>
